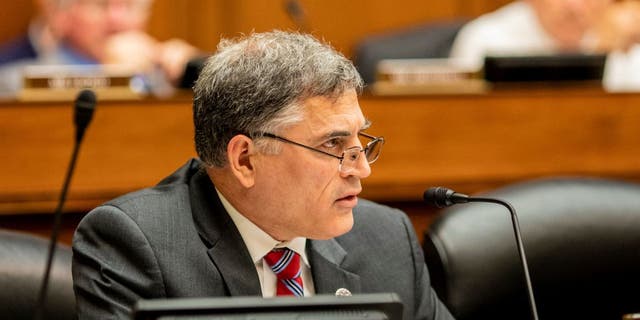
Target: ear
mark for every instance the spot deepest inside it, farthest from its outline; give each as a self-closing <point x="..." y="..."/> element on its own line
<point x="240" y="150"/>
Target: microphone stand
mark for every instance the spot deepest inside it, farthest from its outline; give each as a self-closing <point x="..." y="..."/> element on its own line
<point x="54" y="233"/>
<point x="523" y="258"/>
<point x="443" y="197"/>
<point x="84" y="107"/>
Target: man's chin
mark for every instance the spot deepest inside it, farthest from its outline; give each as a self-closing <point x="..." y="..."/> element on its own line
<point x="336" y="230"/>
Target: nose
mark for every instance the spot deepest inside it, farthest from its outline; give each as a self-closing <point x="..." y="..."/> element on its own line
<point x="361" y="168"/>
<point x="365" y="168"/>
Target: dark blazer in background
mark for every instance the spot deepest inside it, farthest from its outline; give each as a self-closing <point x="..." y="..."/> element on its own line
<point x="177" y="240"/>
<point x="17" y="50"/>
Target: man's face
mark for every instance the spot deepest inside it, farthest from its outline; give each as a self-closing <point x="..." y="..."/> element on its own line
<point x="304" y="193"/>
<point x="568" y="20"/>
<point x="89" y="23"/>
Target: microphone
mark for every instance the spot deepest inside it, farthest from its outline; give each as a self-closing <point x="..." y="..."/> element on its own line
<point x="84" y="107"/>
<point x="444" y="197"/>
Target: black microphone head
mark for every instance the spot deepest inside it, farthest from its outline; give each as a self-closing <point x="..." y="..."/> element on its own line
<point x="84" y="106"/>
<point x="438" y="196"/>
<point x="443" y="197"/>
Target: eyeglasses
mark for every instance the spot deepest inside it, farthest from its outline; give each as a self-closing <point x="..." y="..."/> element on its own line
<point x="350" y="156"/>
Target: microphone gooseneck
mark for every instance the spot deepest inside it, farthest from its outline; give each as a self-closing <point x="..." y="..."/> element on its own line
<point x="444" y="197"/>
<point x="84" y="107"/>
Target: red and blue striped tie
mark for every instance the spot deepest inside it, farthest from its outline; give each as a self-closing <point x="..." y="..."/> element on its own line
<point x="285" y="263"/>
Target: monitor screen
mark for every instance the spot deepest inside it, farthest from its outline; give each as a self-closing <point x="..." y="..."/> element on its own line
<point x="192" y="72"/>
<point x="563" y="67"/>
<point x="378" y="306"/>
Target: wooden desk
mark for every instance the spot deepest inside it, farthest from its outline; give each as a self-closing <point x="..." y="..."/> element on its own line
<point x="128" y="145"/>
<point x="478" y="142"/>
<point x="469" y="142"/>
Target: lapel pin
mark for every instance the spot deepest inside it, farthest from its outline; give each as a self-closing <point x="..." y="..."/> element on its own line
<point x="342" y="292"/>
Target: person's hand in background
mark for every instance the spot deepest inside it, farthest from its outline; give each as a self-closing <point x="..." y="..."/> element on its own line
<point x="140" y="53"/>
<point x="173" y="55"/>
<point x="134" y="50"/>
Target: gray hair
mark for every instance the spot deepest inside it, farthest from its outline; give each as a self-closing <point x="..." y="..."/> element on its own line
<point x="259" y="83"/>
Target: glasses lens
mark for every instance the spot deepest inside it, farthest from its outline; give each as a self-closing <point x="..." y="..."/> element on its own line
<point x="372" y="146"/>
<point x="373" y="150"/>
<point x="352" y="155"/>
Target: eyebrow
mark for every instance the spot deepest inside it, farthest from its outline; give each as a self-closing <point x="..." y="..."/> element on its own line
<point x="335" y="134"/>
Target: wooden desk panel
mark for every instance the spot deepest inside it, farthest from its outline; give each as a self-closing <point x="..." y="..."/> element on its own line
<point x="470" y="143"/>
<point x="477" y="142"/>
<point x="127" y="146"/>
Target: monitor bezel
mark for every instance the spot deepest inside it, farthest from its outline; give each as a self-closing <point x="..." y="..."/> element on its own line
<point x="544" y="68"/>
<point x="388" y="303"/>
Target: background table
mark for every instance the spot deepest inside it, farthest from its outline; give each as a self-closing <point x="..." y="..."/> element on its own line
<point x="467" y="142"/>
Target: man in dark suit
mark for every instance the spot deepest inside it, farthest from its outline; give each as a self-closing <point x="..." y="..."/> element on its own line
<point x="282" y="145"/>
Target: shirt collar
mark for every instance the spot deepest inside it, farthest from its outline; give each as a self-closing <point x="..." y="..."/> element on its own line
<point x="257" y="241"/>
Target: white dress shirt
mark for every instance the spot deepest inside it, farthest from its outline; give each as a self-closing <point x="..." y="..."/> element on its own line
<point x="511" y="30"/>
<point x="260" y="243"/>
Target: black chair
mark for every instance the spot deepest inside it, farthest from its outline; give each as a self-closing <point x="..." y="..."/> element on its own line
<point x="582" y="241"/>
<point x="432" y="40"/>
<point x="22" y="261"/>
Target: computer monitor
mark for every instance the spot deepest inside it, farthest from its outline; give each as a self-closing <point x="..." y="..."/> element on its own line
<point x="377" y="306"/>
<point x="544" y="68"/>
<point x="191" y="72"/>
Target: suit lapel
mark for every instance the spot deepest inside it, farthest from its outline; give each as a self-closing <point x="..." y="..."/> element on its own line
<point x="225" y="245"/>
<point x="326" y="259"/>
<point x="236" y="267"/>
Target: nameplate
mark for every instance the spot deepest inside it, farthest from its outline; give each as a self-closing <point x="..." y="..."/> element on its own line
<point x="62" y="82"/>
<point x="76" y="82"/>
<point x="426" y="76"/>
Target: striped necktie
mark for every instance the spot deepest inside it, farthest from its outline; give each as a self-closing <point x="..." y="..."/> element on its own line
<point x="285" y="263"/>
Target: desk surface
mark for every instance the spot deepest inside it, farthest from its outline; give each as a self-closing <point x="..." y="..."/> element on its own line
<point x="468" y="142"/>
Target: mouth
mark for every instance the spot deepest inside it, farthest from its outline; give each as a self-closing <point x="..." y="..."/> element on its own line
<point x="350" y="200"/>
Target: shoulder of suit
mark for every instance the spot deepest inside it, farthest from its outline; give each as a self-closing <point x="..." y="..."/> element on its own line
<point x="369" y="213"/>
<point x="167" y="192"/>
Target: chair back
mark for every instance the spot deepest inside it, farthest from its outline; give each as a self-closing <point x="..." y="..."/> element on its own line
<point x="431" y="40"/>
<point x="581" y="238"/>
<point x="22" y="262"/>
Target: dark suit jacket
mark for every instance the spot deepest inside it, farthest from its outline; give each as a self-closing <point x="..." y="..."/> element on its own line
<point x="177" y="240"/>
<point x="16" y="50"/>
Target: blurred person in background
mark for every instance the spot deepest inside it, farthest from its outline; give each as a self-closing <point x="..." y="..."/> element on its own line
<point x="538" y="27"/>
<point x="94" y="32"/>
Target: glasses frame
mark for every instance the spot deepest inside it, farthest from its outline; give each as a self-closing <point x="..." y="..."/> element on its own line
<point x="373" y="141"/>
